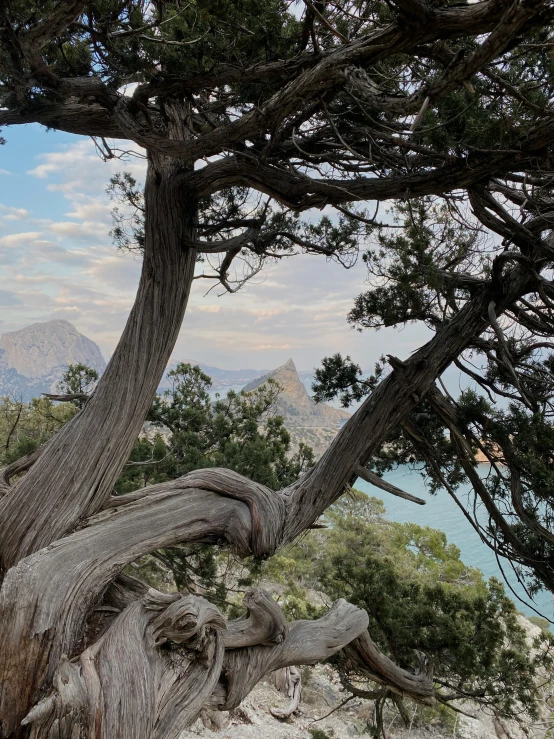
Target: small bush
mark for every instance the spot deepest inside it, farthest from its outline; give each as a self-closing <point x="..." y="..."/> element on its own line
<point x="318" y="734"/>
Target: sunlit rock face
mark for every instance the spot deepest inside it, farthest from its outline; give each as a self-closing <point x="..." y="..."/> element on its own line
<point x="33" y="359"/>
<point x="312" y="423"/>
<point x="295" y="404"/>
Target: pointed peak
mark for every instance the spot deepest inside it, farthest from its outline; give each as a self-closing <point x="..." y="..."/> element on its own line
<point x="289" y="364"/>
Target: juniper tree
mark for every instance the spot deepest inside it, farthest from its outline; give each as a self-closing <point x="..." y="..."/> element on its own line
<point x="423" y="603"/>
<point x="250" y="118"/>
<point x="76" y="384"/>
<point x="504" y="417"/>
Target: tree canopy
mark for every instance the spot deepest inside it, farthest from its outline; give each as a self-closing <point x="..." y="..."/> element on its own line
<point x="504" y="417"/>
<point x="251" y="116"/>
<point x="422" y="601"/>
<point x="355" y="102"/>
<point x="241" y="431"/>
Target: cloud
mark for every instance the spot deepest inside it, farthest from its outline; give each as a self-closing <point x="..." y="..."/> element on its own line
<point x="76" y="231"/>
<point x="62" y="161"/>
<point x="19" y="239"/>
<point x="208" y="308"/>
<point x="264" y="347"/>
<point x="13" y="214"/>
<point x="263" y="314"/>
<point x="66" y="267"/>
<point x="77" y="171"/>
<point x="4" y="171"/>
<point x="116" y="270"/>
<point x="91" y="210"/>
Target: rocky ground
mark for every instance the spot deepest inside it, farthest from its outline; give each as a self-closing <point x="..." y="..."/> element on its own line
<point x="322" y="694"/>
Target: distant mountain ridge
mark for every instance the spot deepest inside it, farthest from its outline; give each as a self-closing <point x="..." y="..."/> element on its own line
<point x="33" y="359"/>
<point x="222" y="379"/>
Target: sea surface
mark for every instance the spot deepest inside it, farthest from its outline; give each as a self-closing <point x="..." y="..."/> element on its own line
<point x="441" y="512"/>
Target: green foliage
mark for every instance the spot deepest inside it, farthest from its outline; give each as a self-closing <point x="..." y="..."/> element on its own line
<point x="128" y="213"/>
<point x="521" y="439"/>
<point x="26" y="426"/>
<point x="339" y="376"/>
<point x="318" y="734"/>
<point x="423" y="268"/>
<point x="128" y="41"/>
<point x="239" y="432"/>
<point x="78" y="378"/>
<point x="191" y="431"/>
<point x="410" y="266"/>
<point x="421" y="597"/>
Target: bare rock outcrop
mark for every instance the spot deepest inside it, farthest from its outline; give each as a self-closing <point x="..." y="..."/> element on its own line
<point x="33" y="359"/>
<point x="36" y="350"/>
<point x="294" y="403"/>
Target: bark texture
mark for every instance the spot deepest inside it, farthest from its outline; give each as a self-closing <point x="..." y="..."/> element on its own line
<point x="77" y="470"/>
<point x="158" y="645"/>
<point x="171" y="649"/>
<point x="46" y="597"/>
<point x="87" y="652"/>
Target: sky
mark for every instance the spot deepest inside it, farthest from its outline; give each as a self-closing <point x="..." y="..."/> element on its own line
<point x="57" y="261"/>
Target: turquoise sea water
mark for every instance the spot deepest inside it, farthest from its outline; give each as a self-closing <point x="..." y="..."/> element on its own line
<point x="440" y="512"/>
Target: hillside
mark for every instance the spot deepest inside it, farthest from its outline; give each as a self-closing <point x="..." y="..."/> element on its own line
<point x="33" y="359"/>
<point x="312" y="423"/>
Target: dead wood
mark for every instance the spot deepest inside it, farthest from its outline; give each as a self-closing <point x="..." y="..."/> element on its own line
<point x="160" y="660"/>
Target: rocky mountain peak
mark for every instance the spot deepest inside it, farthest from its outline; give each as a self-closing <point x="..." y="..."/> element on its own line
<point x="36" y="350"/>
<point x="294" y="402"/>
<point x="287" y="376"/>
<point x="33" y="359"/>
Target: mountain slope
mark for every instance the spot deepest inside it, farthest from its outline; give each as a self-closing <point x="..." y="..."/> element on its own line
<point x="315" y="424"/>
<point x="295" y="404"/>
<point x="33" y="359"/>
<point x="36" y="350"/>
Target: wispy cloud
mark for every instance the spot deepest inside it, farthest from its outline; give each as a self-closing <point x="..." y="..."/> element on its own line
<point x="20" y="238"/>
<point x="63" y="265"/>
<point x="8" y="213"/>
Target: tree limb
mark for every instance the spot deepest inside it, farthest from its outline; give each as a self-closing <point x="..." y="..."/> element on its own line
<point x="374" y="479"/>
<point x="65" y="397"/>
<point x="389" y="404"/>
<point x="264" y="622"/>
<point x="365" y="656"/>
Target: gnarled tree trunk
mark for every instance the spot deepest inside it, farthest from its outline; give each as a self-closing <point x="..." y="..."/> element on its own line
<point x="84" y="655"/>
<point x="75" y="474"/>
<point x="89" y="653"/>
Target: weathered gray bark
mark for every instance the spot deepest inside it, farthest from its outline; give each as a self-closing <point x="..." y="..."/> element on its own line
<point x="84" y="651"/>
<point x="47" y="596"/>
<point x="372" y="663"/>
<point x="76" y="472"/>
<point x="171" y="648"/>
<point x="391" y="401"/>
<point x="289" y="681"/>
<point x="169" y="686"/>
